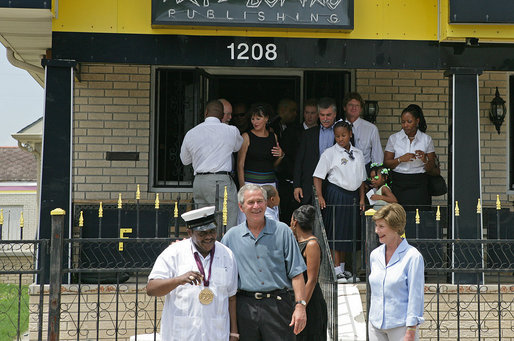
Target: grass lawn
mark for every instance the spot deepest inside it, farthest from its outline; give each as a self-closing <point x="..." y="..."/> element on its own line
<point x="9" y="298"/>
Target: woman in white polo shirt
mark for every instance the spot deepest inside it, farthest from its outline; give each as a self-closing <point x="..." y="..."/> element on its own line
<point x="411" y="155"/>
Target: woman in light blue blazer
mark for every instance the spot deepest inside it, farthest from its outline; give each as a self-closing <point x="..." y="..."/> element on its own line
<point x="397" y="280"/>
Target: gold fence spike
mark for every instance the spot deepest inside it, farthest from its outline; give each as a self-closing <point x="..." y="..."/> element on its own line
<point x="438" y="214"/>
<point x="479" y="207"/>
<point x="175" y="212"/>
<point x="138" y="193"/>
<point x="100" y="211"/>
<point x="225" y="211"/>
<point x="156" y="201"/>
<point x="81" y="219"/>
<point x="22" y="221"/>
<point x="417" y="215"/>
<point x="457" y="211"/>
<point x="498" y="202"/>
<point x="1" y="216"/>
<point x="119" y="201"/>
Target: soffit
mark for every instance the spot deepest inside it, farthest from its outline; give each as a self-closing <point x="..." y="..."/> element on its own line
<point x="28" y="32"/>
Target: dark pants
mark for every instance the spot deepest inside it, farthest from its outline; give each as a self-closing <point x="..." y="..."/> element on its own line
<point x="287" y="202"/>
<point x="266" y="319"/>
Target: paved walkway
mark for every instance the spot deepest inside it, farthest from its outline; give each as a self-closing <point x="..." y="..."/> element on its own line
<point x="351" y="319"/>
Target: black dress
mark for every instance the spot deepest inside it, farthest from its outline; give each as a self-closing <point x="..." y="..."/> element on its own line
<point x="316" y="328"/>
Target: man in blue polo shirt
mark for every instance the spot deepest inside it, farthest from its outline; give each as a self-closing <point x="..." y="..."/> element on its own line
<point x="270" y="264"/>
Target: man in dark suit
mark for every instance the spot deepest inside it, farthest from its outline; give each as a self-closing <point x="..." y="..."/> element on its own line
<point x="313" y="143"/>
<point x="288" y="132"/>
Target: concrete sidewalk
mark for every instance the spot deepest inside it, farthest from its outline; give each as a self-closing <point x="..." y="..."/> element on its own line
<point x="351" y="319"/>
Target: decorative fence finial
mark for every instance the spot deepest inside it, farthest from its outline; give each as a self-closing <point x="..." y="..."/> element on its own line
<point x="22" y="221"/>
<point x="119" y="201"/>
<point x="457" y="211"/>
<point x="498" y="202"/>
<point x="479" y="207"/>
<point x="100" y="211"/>
<point x="1" y="216"/>
<point x="81" y="219"/>
<point x="175" y="212"/>
<point x="138" y="193"/>
<point x="438" y="214"/>
<point x="417" y="216"/>
<point x="156" y="201"/>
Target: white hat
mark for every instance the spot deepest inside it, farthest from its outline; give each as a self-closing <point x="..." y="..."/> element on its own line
<point x="201" y="219"/>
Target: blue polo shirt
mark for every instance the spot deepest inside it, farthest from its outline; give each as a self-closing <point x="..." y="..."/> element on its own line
<point x="267" y="262"/>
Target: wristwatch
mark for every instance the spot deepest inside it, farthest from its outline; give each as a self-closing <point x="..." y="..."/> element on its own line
<point x="302" y="302"/>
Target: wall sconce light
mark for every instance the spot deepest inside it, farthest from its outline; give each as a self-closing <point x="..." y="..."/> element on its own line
<point x="371" y="111"/>
<point x="498" y="111"/>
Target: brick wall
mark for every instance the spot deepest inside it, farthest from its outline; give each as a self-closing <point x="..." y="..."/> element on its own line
<point x="395" y="89"/>
<point x="112" y="113"/>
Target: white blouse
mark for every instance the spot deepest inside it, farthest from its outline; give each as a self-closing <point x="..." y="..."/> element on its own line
<point x="341" y="169"/>
<point x="399" y="144"/>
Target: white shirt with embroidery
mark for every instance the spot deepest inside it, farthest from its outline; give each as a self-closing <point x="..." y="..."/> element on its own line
<point x="183" y="316"/>
<point x="337" y="166"/>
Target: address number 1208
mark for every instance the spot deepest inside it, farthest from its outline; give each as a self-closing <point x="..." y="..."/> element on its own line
<point x="243" y="51"/>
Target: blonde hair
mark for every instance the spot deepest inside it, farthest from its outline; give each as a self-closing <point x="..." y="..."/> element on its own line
<point x="394" y="215"/>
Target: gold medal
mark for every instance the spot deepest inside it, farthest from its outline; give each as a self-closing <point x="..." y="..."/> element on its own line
<point x="206" y="296"/>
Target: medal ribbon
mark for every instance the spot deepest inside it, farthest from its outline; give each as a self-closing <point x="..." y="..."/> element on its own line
<point x="200" y="267"/>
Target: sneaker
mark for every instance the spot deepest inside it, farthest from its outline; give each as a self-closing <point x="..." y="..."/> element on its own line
<point x="349" y="277"/>
<point x="341" y="278"/>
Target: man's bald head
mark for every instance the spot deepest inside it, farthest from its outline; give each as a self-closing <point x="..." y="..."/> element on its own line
<point x="227" y="110"/>
<point x="214" y="109"/>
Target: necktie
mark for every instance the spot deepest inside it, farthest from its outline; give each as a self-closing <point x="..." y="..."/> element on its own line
<point x="350" y="154"/>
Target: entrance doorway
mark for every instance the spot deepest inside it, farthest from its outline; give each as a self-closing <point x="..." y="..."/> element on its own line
<point x="180" y="96"/>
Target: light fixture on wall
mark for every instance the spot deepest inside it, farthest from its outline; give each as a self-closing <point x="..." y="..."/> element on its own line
<point x="498" y="111"/>
<point x="370" y="111"/>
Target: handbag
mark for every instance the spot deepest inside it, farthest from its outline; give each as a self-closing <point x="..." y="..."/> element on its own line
<point x="436" y="185"/>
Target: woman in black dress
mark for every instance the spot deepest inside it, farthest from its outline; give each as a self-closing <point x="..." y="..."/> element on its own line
<point x="301" y="224"/>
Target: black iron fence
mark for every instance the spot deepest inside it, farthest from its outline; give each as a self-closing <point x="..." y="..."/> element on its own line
<point x="17" y="271"/>
<point x="98" y="291"/>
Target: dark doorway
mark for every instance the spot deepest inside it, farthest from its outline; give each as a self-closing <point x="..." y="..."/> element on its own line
<point x="253" y="89"/>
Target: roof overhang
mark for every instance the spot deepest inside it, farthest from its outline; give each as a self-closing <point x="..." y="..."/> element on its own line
<point x="27" y="32"/>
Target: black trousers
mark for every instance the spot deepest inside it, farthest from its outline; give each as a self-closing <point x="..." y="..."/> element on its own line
<point x="287" y="202"/>
<point x="265" y="320"/>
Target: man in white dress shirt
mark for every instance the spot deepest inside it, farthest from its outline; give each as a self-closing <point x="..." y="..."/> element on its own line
<point x="199" y="278"/>
<point x="365" y="134"/>
<point x="209" y="147"/>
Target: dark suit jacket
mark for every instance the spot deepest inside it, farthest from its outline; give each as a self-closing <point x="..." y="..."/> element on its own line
<point x="289" y="140"/>
<point x="307" y="158"/>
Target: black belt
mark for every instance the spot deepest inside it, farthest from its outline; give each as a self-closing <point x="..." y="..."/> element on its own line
<point x="216" y="173"/>
<point x="268" y="294"/>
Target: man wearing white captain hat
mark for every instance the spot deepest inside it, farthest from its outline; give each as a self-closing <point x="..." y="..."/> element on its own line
<point x="199" y="278"/>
